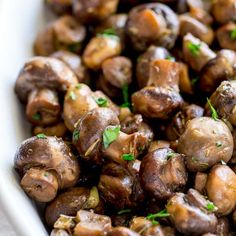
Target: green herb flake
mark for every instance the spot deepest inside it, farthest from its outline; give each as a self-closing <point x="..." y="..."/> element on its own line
<point x="72" y="95"/>
<point x="36" y="116"/>
<point x="110" y="135"/>
<point x="232" y="34"/>
<point x="170" y="155"/>
<point x="194" y="81"/>
<point x="210" y="206"/>
<point x="78" y="86"/>
<point x="128" y="157"/>
<point x="218" y="144"/>
<point x="102" y="102"/>
<point x="194" y="48"/>
<point x="75" y="135"/>
<point x="154" y="222"/>
<point x="125" y="92"/>
<point x="214" y="113"/>
<point x="110" y="32"/>
<point x="170" y="58"/>
<point x="41" y="136"/>
<point x="161" y="214"/>
<point x="124" y="211"/>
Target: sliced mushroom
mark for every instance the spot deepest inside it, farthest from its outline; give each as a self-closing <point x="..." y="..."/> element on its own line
<point x="152" y="23"/>
<point x="162" y="173"/>
<point x="189" y="213"/>
<point x="212" y="143"/>
<point x="221" y="189"/>
<point x="47" y="165"/>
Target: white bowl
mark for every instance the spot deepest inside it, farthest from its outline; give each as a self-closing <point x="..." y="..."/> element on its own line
<point x="20" y="21"/>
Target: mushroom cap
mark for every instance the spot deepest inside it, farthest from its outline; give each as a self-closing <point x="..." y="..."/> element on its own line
<point x="43" y="72"/>
<point x="51" y="154"/>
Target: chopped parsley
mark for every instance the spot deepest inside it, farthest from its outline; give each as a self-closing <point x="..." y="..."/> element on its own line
<point x="214" y="113"/>
<point x="161" y="214"/>
<point x="170" y="154"/>
<point x="72" y="95"/>
<point x="41" y="136"/>
<point x="124" y="211"/>
<point x="170" y="58"/>
<point x="110" y="32"/>
<point x="75" y="135"/>
<point x="78" y="86"/>
<point x="232" y="34"/>
<point x="110" y="135"/>
<point x="218" y="144"/>
<point x="102" y="102"/>
<point x="210" y="206"/>
<point x="128" y="157"/>
<point x="125" y="92"/>
<point x="36" y="116"/>
<point x="194" y="80"/>
<point x="194" y="48"/>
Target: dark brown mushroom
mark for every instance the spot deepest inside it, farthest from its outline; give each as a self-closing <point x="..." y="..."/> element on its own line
<point x="156" y="144"/>
<point x="60" y="7"/>
<point x="221" y="189"/>
<point x="205" y="142"/>
<point x="37" y="85"/>
<point x="189" y="213"/>
<point x="218" y="69"/>
<point x="162" y="173"/>
<point x="152" y="23"/>
<point x="71" y="201"/>
<point x="90" y="129"/>
<point x="195" y="52"/>
<point x="122" y="231"/>
<point x="46" y="165"/>
<point x="92" y="11"/>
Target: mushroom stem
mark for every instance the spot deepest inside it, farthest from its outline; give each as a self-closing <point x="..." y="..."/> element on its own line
<point x="40" y="184"/>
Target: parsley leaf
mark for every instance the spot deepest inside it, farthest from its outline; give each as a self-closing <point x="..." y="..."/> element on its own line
<point x="78" y="86"/>
<point x="36" y="116"/>
<point x="110" y="135"/>
<point x="194" y="48"/>
<point x="218" y="144"/>
<point x="170" y="154"/>
<point x="110" y="32"/>
<point x="41" y="136"/>
<point x="125" y="92"/>
<point x="194" y="80"/>
<point x="72" y="95"/>
<point x="232" y="34"/>
<point x="128" y="157"/>
<point x="75" y="135"/>
<point x="160" y="214"/>
<point x="214" y="114"/>
<point x="102" y="102"/>
<point x="170" y="58"/>
<point x="124" y="211"/>
<point x="210" y="206"/>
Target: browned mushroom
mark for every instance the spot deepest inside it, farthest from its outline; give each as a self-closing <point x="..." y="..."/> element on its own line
<point x="92" y="11"/>
<point x="201" y="15"/>
<point x="195" y="52"/>
<point x="71" y="201"/>
<point x="60" y="7"/>
<point x="156" y="144"/>
<point x="224" y="101"/>
<point x="218" y="69"/>
<point x="223" y="227"/>
<point x="192" y="213"/>
<point x="200" y="182"/>
<point x="89" y="132"/>
<point x="122" y="231"/>
<point x="46" y="165"/>
<point x="212" y="143"/>
<point x="64" y="33"/>
<point x="59" y="232"/>
<point x="162" y="173"/>
<point x="221" y="189"/>
<point x="152" y="23"/>
<point x="37" y="85"/>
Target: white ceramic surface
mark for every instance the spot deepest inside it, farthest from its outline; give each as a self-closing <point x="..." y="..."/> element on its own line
<point x="19" y="22"/>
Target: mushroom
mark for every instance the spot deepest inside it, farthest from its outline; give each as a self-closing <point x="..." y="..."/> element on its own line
<point x="100" y="48"/>
<point x="60" y="7"/>
<point x="64" y="33"/>
<point x="144" y="60"/>
<point x="179" y="121"/>
<point x="190" y="25"/>
<point x="74" y="62"/>
<point x="220" y="68"/>
<point x="222" y="179"/>
<point x="89" y="132"/>
<point x="195" y="52"/>
<point x="205" y="142"/>
<point x="152" y="23"/>
<point x="223" y="227"/>
<point x="192" y="213"/>
<point x="46" y="165"/>
<point x="161" y="96"/>
<point x="90" y="11"/>
<point x="162" y="173"/>
<point x="156" y="144"/>
<point x="122" y="231"/>
<point x="224" y="101"/>
<point x="223" y="10"/>
<point x="59" y="232"/>
<point x="37" y="85"/>
<point x="200" y="182"/>
<point x="201" y="15"/>
<point x="71" y="201"/>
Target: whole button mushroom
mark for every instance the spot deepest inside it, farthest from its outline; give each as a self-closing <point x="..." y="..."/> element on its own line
<point x="221" y="189"/>
<point x="46" y="165"/>
<point x="205" y="142"/>
<point x="152" y="23"/>
<point x="162" y="173"/>
<point x="224" y="101"/>
<point x="60" y="7"/>
<point x="89" y="132"/>
<point x="38" y="84"/>
<point x="192" y="213"/>
<point x="64" y="33"/>
<point x="218" y="69"/>
<point x="92" y="11"/>
<point x="71" y="201"/>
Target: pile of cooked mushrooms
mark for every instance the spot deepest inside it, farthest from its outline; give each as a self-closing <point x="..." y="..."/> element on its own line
<point x="133" y="112"/>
